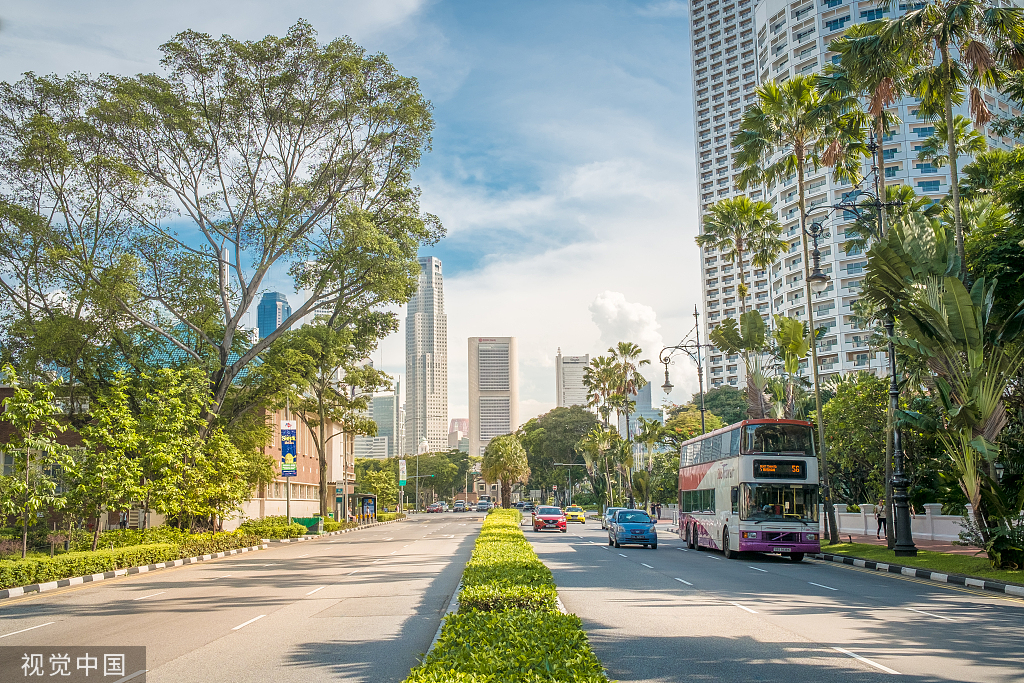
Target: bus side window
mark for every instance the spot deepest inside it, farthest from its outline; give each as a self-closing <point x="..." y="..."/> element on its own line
<point x="735" y="500"/>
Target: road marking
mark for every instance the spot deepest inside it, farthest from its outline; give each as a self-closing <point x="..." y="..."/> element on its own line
<point x="746" y="609"/>
<point x="222" y="576"/>
<point x="647" y="565"/>
<point x="682" y="581"/>
<point x="621" y="555"/>
<point x="393" y="552"/>
<point x="352" y="572"/>
<point x="867" y="661"/>
<point x="151" y="595"/>
<point x="316" y="590"/>
<point x="272" y="564"/>
<point x="375" y="562"/>
<point x="248" y="622"/>
<point x="306" y="555"/>
<point x="758" y="569"/>
<point x="712" y="557"/>
<point x="937" y="616"/>
<point x="30" y="628"/>
<point x="389" y="539"/>
<point x="821" y="586"/>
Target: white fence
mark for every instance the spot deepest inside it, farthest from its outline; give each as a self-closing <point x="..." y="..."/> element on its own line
<point x="931" y="526"/>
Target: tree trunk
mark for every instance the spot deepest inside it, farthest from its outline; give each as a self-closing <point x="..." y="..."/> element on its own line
<point x="96" y="531"/>
<point x="24" y="531"/>
<point x="954" y="180"/>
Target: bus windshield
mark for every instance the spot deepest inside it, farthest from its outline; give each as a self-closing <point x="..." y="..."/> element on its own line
<point x="779" y="502"/>
<point x="778" y="438"/>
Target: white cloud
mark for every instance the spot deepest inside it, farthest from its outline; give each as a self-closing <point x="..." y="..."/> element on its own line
<point x="620" y="320"/>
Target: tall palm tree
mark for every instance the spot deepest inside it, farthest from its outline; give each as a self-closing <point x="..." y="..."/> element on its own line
<point x="966" y="140"/>
<point x="600" y="379"/>
<point x="740" y="225"/>
<point x="961" y="44"/>
<point x="627" y="360"/>
<point x="789" y="126"/>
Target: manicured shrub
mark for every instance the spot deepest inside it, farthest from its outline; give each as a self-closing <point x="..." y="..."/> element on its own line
<point x="273" y="527"/>
<point x="29" y="571"/>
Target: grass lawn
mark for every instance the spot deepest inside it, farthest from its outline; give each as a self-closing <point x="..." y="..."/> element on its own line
<point x="936" y="562"/>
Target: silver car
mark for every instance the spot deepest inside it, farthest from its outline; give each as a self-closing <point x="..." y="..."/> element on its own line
<point x="606" y="518"/>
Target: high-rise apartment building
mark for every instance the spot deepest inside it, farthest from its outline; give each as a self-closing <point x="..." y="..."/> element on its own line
<point x="736" y="45"/>
<point x="569" y="371"/>
<point x="426" y="362"/>
<point x="273" y="310"/>
<point x="493" y="390"/>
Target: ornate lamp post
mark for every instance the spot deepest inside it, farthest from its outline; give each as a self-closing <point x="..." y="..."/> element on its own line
<point x="692" y="349"/>
<point x="904" y="546"/>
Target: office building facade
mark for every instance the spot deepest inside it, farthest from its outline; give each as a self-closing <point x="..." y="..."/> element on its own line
<point x="569" y="373"/>
<point x="493" y="390"/>
<point x="272" y="311"/>
<point x="426" y="362"/>
<point x="735" y="46"/>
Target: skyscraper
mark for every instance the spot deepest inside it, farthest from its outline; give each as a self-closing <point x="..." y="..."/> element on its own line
<point x="735" y="46"/>
<point x="426" y="362"/>
<point x="272" y="311"/>
<point x="493" y="390"/>
<point x="386" y="412"/>
<point x="569" y="371"/>
<point x="644" y="408"/>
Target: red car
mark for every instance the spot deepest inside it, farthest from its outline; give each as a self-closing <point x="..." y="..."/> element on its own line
<point x="548" y="517"/>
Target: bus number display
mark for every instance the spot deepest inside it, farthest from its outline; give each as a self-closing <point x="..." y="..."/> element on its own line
<point x="779" y="469"/>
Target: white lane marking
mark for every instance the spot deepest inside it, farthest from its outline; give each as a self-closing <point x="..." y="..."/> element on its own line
<point x="375" y="562"/>
<point x="393" y="552"/>
<point x="758" y="569"/>
<point x="248" y="622"/>
<point x="867" y="661"/>
<point x="819" y="585"/>
<point x="151" y="595"/>
<point x="222" y="576"/>
<point x="306" y="555"/>
<point x="647" y="565"/>
<point x="681" y="581"/>
<point x="353" y="572"/>
<point x="745" y="609"/>
<point x="273" y="564"/>
<point x="712" y="557"/>
<point x="389" y="539"/>
<point x="316" y="590"/>
<point x="937" y="616"/>
<point x="30" y="628"/>
<point x="621" y="555"/>
<point x="683" y="549"/>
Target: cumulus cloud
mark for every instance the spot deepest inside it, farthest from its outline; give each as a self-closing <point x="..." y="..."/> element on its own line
<point x="620" y="320"/>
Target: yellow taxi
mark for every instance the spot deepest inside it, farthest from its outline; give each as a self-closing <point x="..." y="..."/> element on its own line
<point x="574" y="513"/>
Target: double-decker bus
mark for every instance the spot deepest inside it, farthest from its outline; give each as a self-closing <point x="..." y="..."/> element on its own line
<point x="751" y="486"/>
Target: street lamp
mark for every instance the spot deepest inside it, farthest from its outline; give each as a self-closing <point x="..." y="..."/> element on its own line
<point x="692" y="349"/>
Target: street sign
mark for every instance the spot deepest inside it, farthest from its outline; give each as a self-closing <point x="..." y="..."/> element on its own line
<point x="401" y="472"/>
<point x="554" y="488"/>
<point x="288" y="465"/>
<point x="535" y="494"/>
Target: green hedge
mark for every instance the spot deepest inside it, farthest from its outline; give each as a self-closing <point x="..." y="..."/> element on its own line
<point x="508" y="627"/>
<point x="390" y="516"/>
<point x="273" y="527"/>
<point x="29" y="571"/>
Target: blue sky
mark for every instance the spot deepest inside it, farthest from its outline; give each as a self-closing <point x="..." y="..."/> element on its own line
<point x="562" y="162"/>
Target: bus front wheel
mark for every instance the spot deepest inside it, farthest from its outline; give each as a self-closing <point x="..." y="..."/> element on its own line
<point x="726" y="550"/>
<point x="796" y="557"/>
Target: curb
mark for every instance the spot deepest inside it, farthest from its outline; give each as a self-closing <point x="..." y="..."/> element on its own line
<point x="74" y="581"/>
<point x="90" y="578"/>
<point x="453" y="606"/>
<point x="927" y="574"/>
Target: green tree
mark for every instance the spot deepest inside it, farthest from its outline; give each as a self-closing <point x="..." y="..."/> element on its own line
<point x="739" y="226"/>
<point x="855" y="425"/>
<point x="685" y="425"/>
<point x="793" y="341"/>
<point x="629" y="383"/>
<point x="505" y="462"/>
<point x="33" y="417"/>
<point x="600" y="379"/>
<point x="383" y="484"/>
<point x="966" y="141"/>
<point x="747" y="339"/>
<point x="960" y="45"/>
<point x="728" y="402"/>
<point x="554" y="437"/>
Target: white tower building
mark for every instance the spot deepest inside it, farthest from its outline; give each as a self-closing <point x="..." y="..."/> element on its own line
<point x="569" y="388"/>
<point x="493" y="390"/>
<point x="426" y="362"/>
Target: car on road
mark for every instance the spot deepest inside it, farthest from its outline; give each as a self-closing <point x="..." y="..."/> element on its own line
<point x="574" y="513"/>
<point x="607" y="516"/>
<point x="434" y="507"/>
<point x="482" y="506"/>
<point x="549" y="517"/>
<point x="632" y="527"/>
<point x="459" y="506"/>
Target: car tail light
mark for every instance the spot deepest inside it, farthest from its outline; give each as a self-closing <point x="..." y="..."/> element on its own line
<point x="749" y="534"/>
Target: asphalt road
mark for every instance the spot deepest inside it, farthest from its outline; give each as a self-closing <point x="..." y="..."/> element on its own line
<point x="354" y="607"/>
<point x="676" y="615"/>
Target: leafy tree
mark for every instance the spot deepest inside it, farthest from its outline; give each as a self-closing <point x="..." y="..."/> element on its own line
<point x="728" y="402"/>
<point x="665" y="478"/>
<point x="855" y="424"/>
<point x="383" y="484"/>
<point x="600" y="379"/>
<point x="32" y="415"/>
<point x="966" y="141"/>
<point x="554" y="437"/>
<point x="960" y="45"/>
<point x="793" y="342"/>
<point x="505" y="461"/>
<point x="740" y="225"/>
<point x="748" y="339"/>
<point x="685" y="425"/>
<point x="597" y="448"/>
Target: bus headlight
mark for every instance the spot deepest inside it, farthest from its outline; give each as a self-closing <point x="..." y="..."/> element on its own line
<point x="749" y="534"/>
<point x="812" y="537"/>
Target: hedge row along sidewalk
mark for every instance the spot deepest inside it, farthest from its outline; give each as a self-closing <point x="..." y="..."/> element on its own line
<point x="18" y="577"/>
<point x="508" y="626"/>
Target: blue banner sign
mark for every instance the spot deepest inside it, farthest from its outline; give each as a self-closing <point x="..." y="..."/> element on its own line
<point x="288" y="465"/>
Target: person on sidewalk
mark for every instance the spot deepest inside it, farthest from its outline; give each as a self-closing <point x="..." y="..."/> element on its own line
<point x="880" y="515"/>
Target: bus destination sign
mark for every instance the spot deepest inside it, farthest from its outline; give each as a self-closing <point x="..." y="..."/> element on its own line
<point x="779" y="469"/>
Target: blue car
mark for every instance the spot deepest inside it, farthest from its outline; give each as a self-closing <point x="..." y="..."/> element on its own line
<point x="632" y="527"/>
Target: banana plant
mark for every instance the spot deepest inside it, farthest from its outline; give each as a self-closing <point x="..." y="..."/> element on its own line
<point x="793" y="343"/>
<point x="970" y="353"/>
<point x="749" y="340"/>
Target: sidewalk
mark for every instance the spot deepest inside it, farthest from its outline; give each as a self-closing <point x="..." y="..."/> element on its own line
<point x="934" y="546"/>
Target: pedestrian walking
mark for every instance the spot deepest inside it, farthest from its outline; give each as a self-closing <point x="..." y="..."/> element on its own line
<point x="659" y="511"/>
<point x="123" y="521"/>
<point x="881" y="515"/>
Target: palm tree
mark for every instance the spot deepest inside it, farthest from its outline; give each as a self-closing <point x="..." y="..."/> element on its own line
<point x="600" y="379"/>
<point x="869" y="69"/>
<point x="966" y="140"/>
<point x="630" y="382"/>
<point x="961" y="44"/>
<point x="789" y="126"/>
<point x="902" y="199"/>
<point x="740" y="225"/>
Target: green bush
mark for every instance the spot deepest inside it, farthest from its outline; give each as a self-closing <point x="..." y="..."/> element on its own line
<point x="390" y="516"/>
<point x="28" y="571"/>
<point x="331" y="525"/>
<point x="508" y="627"/>
<point x="273" y="527"/>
